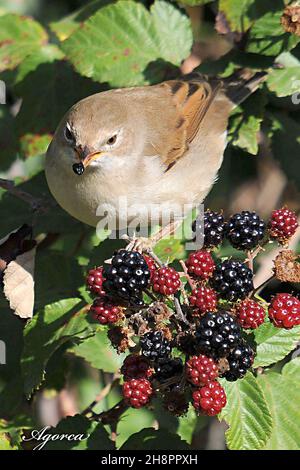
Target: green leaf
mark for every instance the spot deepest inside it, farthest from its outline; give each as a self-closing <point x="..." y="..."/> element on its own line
<point x="46" y="332"/>
<point x="149" y="439"/>
<point x="47" y="93"/>
<point x="187" y="425"/>
<point x="93" y="435"/>
<point x="268" y="37"/>
<point x="274" y="343"/>
<point x="168" y="250"/>
<point x="247" y="414"/>
<point x="285" y="81"/>
<point x="20" y="36"/>
<point x="237" y="13"/>
<point x="66" y="26"/>
<point x="98" y="351"/>
<point x="291" y="370"/>
<point x="5" y="443"/>
<point x="245" y="123"/>
<point x="133" y="421"/>
<point x="45" y="54"/>
<point x="117" y="43"/>
<point x="282" y="395"/>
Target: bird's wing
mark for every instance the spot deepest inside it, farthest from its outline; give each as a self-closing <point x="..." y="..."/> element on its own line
<point x="180" y="108"/>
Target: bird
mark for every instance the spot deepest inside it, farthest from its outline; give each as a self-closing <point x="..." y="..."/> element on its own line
<point x="127" y="155"/>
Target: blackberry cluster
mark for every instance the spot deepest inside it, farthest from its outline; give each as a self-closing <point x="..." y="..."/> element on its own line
<point x="155" y="346"/>
<point x="232" y="280"/>
<point x="239" y="360"/>
<point x="245" y="230"/>
<point x="188" y="311"/>
<point x="127" y="276"/>
<point x="213" y="228"/>
<point x="217" y="334"/>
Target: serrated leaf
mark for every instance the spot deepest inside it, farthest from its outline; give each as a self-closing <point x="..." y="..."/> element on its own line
<point x="237" y="13"/>
<point x="274" y="343"/>
<point x="90" y="435"/>
<point x="247" y="414"/>
<point x="245" y="123"/>
<point x="66" y="26"/>
<point x="46" y="54"/>
<point x="268" y="37"/>
<point x="282" y="395"/>
<point x="187" y="425"/>
<point x="168" y="250"/>
<point x="285" y="81"/>
<point x="149" y="439"/>
<point x="48" y="330"/>
<point x="98" y="351"/>
<point x="108" y="45"/>
<point x="20" y="36"/>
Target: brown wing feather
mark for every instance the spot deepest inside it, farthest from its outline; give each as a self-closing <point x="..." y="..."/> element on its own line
<point x="192" y="100"/>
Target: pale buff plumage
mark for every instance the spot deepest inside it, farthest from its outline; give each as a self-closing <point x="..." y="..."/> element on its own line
<point x="169" y="147"/>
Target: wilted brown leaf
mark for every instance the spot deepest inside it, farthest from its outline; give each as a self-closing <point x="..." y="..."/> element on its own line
<point x="287" y="266"/>
<point x="18" y="281"/>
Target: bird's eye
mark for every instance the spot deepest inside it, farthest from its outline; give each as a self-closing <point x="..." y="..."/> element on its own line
<point x="112" y="140"/>
<point x="68" y="135"/>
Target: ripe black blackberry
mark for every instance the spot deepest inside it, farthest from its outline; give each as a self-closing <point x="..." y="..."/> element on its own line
<point x="155" y="346"/>
<point x="233" y="280"/>
<point x="217" y="334"/>
<point x="167" y="368"/>
<point x="245" y="230"/>
<point x="213" y="229"/>
<point x="127" y="276"/>
<point x="239" y="360"/>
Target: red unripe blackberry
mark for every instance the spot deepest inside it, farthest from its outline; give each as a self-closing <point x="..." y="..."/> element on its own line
<point x="201" y="369"/>
<point x="136" y="367"/>
<point x="105" y="312"/>
<point x="210" y="399"/>
<point x="283" y="224"/>
<point x="250" y="314"/>
<point x="151" y="265"/>
<point x="204" y="299"/>
<point x="95" y="281"/>
<point x="137" y="392"/>
<point x="284" y="311"/>
<point x="200" y="264"/>
<point x="166" y="281"/>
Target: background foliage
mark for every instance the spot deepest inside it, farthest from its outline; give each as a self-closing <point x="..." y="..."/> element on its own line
<point x="60" y="52"/>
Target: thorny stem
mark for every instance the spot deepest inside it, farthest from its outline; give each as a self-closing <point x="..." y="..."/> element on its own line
<point x="35" y="203"/>
<point x="251" y="255"/>
<point x="179" y="313"/>
<point x="188" y="277"/>
<point x="102" y="394"/>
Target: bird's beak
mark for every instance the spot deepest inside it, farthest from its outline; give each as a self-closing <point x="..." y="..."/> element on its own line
<point x="85" y="158"/>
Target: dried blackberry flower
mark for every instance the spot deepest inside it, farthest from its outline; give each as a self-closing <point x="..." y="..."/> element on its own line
<point x="290" y="19"/>
<point x="118" y="337"/>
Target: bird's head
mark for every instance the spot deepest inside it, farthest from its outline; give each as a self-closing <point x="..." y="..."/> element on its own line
<point x="95" y="132"/>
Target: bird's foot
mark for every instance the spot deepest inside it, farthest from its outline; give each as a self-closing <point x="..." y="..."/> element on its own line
<point x="140" y="244"/>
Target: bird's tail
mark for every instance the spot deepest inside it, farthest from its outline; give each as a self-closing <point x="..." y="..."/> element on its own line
<point x="241" y="84"/>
